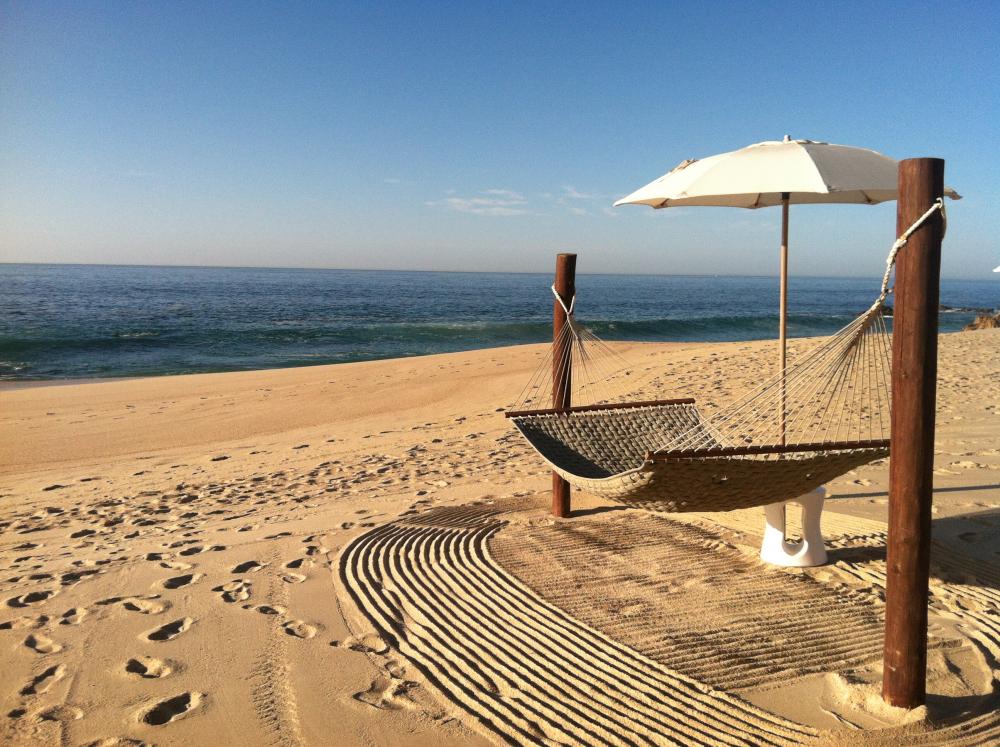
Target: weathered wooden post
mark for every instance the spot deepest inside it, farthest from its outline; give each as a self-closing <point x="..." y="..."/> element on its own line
<point x="562" y="365"/>
<point x="914" y="378"/>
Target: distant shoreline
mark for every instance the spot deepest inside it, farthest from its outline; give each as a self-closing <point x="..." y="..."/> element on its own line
<point x="11" y="385"/>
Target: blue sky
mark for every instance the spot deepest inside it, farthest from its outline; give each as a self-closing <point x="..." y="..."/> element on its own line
<point x="475" y="135"/>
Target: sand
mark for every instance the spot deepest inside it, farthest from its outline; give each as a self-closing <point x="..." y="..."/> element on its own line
<point x="360" y="554"/>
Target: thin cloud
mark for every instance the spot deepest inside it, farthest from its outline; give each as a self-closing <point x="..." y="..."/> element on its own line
<point x="504" y="194"/>
<point x="497" y="202"/>
<point x="572" y="193"/>
<point x="579" y="202"/>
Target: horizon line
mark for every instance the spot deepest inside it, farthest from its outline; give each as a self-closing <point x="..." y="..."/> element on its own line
<point x="458" y="272"/>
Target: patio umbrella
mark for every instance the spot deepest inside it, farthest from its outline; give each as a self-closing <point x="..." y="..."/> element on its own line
<point x="776" y="173"/>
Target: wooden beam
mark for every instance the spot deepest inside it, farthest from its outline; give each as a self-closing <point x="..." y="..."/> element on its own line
<point x="562" y="365"/>
<point x="750" y="450"/>
<point x="911" y="465"/>
<point x="594" y="408"/>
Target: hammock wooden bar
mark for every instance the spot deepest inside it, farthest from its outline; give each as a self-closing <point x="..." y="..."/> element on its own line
<point x="821" y="417"/>
<point x="593" y="408"/>
<point x="610" y="453"/>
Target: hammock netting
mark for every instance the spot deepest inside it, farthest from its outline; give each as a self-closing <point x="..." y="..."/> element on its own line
<point x="824" y="415"/>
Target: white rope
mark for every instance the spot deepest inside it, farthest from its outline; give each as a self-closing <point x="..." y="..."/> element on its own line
<point x="901" y="242"/>
<point x="572" y="301"/>
<point x="842" y="380"/>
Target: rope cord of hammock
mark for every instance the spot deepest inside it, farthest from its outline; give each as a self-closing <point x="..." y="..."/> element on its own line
<point x="837" y="391"/>
<point x="825" y="387"/>
<point x="593" y="365"/>
<point x="904" y="238"/>
<point x="836" y="360"/>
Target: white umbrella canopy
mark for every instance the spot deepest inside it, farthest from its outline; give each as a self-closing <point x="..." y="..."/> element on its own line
<point x="777" y="172"/>
<point x="810" y="172"/>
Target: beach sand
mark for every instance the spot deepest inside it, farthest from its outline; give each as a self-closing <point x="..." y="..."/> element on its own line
<point x="361" y="554"/>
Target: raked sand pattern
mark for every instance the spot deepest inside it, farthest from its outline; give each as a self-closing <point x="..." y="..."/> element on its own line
<point x="527" y="670"/>
<point x="446" y="589"/>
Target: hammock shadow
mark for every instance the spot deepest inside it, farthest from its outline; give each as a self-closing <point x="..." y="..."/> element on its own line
<point x="885" y="494"/>
<point x="581" y="512"/>
<point x="965" y="548"/>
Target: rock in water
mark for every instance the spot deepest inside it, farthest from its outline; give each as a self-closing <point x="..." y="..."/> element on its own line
<point x="983" y="321"/>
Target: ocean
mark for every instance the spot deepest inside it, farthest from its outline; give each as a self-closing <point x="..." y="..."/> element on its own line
<point x="89" y="321"/>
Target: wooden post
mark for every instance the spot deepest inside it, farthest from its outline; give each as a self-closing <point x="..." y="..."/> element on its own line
<point x="914" y="378"/>
<point x="562" y="364"/>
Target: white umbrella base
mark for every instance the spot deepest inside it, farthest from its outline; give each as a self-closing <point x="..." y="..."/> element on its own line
<point x="807" y="552"/>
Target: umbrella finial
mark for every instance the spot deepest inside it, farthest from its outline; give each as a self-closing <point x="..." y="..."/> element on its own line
<point x="788" y="138"/>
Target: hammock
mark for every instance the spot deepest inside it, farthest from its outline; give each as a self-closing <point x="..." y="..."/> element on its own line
<point x="818" y="419"/>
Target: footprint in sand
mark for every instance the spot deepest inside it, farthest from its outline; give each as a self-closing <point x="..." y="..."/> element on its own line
<point x="395" y="669"/>
<point x="966" y="464"/>
<point x="293" y="578"/>
<point x="73" y="616"/>
<point x="148" y="667"/>
<point x="117" y="742"/>
<point x="169" y="631"/>
<point x="151" y="605"/>
<point x="24" y="622"/>
<point x="299" y="629"/>
<point x="370" y="643"/>
<point x="42" y="644"/>
<point x="266" y="609"/>
<point x="234" y="591"/>
<point x="198" y="549"/>
<point x="74" y="577"/>
<point x="61" y="713"/>
<point x="45" y="680"/>
<point x="174" y="565"/>
<point x="387" y="694"/>
<point x="250" y="566"/>
<point x="33" y="597"/>
<point x="172" y="709"/>
<point x="179" y="582"/>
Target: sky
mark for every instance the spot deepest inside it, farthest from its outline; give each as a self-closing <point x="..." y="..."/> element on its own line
<point x="476" y="136"/>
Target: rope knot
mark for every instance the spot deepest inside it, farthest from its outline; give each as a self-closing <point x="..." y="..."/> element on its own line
<point x="902" y="241"/>
<point x="572" y="302"/>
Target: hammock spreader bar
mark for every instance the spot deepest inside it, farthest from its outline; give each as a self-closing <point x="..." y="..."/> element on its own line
<point x="662" y="454"/>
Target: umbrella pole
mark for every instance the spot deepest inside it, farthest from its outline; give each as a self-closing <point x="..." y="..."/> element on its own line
<point x="783" y="318"/>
